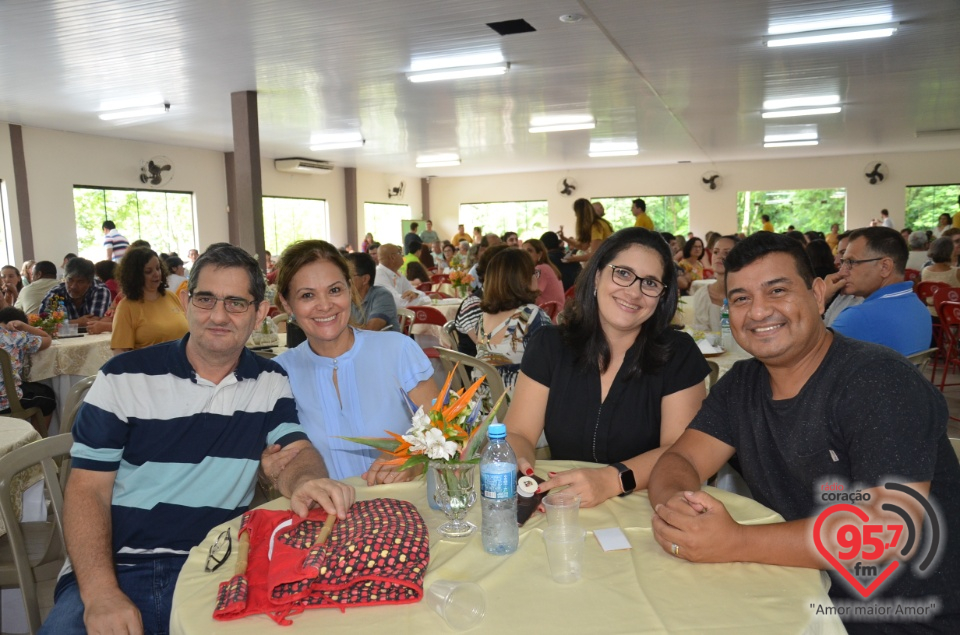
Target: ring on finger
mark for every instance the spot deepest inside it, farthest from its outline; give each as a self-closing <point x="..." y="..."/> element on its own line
<point x="675" y="550"/>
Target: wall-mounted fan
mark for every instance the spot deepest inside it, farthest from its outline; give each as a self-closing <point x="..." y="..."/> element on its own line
<point x="875" y="172"/>
<point x="396" y="192"/>
<point x="567" y="186"/>
<point x="156" y="171"/>
<point x="711" y="180"/>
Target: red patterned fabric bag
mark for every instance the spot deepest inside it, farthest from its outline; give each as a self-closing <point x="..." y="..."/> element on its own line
<point x="377" y="555"/>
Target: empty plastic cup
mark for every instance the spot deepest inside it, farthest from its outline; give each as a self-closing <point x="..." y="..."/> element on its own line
<point x="461" y="604"/>
<point x="565" y="553"/>
<point x="563" y="509"/>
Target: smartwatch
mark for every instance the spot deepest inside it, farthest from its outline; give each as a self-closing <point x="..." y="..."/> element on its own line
<point x="627" y="481"/>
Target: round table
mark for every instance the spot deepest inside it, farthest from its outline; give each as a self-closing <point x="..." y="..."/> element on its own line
<point x="641" y="589"/>
<point x="14" y="434"/>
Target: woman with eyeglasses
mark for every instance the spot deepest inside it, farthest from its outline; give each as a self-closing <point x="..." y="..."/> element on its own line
<point x="148" y="313"/>
<point x="509" y="313"/>
<point x="613" y="383"/>
<point x="347" y="382"/>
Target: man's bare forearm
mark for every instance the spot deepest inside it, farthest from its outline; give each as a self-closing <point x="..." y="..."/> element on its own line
<point x="672" y="473"/>
<point x="306" y="466"/>
<point x="88" y="532"/>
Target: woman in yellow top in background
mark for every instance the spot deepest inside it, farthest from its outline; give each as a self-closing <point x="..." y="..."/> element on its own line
<point x="149" y="313"/>
<point x="591" y="231"/>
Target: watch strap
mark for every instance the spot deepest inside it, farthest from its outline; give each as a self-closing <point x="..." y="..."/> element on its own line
<point x="621" y="468"/>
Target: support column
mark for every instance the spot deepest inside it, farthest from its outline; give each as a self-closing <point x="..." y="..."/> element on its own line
<point x="425" y="198"/>
<point x="23" y="192"/>
<point x="350" y="194"/>
<point x="248" y="188"/>
<point x="233" y="225"/>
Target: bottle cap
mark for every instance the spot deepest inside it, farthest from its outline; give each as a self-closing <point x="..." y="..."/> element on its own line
<point x="526" y="486"/>
<point x="497" y="431"/>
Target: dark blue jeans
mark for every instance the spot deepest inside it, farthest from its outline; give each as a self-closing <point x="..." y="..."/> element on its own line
<point x="149" y="584"/>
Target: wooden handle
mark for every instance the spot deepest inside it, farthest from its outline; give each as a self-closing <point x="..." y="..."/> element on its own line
<point x="243" y="551"/>
<point x="327" y="529"/>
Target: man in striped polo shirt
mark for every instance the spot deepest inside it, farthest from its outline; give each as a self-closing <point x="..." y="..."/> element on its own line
<point x="114" y="242"/>
<point x="167" y="446"/>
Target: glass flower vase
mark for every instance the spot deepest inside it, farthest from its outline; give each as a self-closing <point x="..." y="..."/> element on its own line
<point x="455" y="494"/>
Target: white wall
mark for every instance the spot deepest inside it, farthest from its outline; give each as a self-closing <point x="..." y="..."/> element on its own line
<point x="372" y="187"/>
<point x="709" y="210"/>
<point x="329" y="187"/>
<point x="57" y="161"/>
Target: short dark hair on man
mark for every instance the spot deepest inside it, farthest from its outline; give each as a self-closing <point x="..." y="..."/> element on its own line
<point x="640" y="204"/>
<point x="109" y="224"/>
<point x="140" y="243"/>
<point x="46" y="269"/>
<point x="761" y="244"/>
<point x="765" y="218"/>
<point x="10" y="313"/>
<point x="130" y="272"/>
<point x="886" y="242"/>
<point x="508" y="235"/>
<point x="363" y="265"/>
<point x="667" y="236"/>
<point x="797" y="236"/>
<point x="79" y="268"/>
<point x="173" y="262"/>
<point x="414" y="226"/>
<point x="225" y="256"/>
<point x="550" y="240"/>
<point x="506" y="282"/>
<point x="581" y="327"/>
<point x="105" y="270"/>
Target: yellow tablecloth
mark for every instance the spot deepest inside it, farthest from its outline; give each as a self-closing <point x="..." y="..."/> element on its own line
<point x="640" y="590"/>
<point x="16" y="433"/>
<point x="81" y="356"/>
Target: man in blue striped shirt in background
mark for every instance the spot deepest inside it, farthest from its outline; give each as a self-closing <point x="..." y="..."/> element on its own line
<point x="167" y="446"/>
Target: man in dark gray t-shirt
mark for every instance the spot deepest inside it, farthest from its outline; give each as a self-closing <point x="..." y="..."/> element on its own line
<point x="816" y="413"/>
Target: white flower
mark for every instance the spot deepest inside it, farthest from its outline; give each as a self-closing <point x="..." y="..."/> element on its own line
<point x="421" y="422"/>
<point x="417" y="441"/>
<point x="438" y="447"/>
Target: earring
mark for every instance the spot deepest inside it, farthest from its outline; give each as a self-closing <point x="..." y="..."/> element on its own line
<point x="594" y="292"/>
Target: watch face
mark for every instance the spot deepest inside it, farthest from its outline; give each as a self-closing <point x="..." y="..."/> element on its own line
<point x="628" y="481"/>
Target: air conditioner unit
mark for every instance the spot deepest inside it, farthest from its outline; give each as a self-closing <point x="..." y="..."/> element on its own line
<point x="303" y="166"/>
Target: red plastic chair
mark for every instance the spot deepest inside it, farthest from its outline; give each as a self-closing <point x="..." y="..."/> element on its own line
<point x="925" y="290"/>
<point x="572" y="291"/>
<point x="429" y="315"/>
<point x="552" y="309"/>
<point x="949" y="313"/>
<point x="945" y="294"/>
<point x="911" y="275"/>
<point x="426" y="287"/>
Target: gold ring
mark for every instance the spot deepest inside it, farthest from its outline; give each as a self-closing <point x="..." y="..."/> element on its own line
<point x="675" y="549"/>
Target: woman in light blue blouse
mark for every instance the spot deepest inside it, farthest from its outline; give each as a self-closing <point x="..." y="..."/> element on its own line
<point x="347" y="382"/>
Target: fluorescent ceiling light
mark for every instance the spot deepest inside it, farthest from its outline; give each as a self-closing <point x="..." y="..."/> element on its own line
<point x="833" y="23"/>
<point x="795" y="136"/>
<point x="137" y="101"/>
<point x="802" y="112"/>
<point x="833" y="35"/>
<point x="801" y="102"/>
<point x="336" y="140"/>
<point x="613" y="149"/>
<point x="132" y="113"/>
<point x="458" y="73"/>
<point x="786" y="144"/>
<point x="438" y="160"/>
<point x="558" y="123"/>
<point x="456" y="61"/>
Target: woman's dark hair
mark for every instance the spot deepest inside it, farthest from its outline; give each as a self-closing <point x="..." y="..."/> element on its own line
<point x="583" y="209"/>
<point x="105" y="270"/>
<point x="821" y="257"/>
<point x="130" y="272"/>
<point x="10" y="313"/>
<point x="581" y="326"/>
<point x="485" y="259"/>
<point x="426" y="257"/>
<point x="416" y="271"/>
<point x="506" y="282"/>
<point x="688" y="247"/>
<point x="941" y="251"/>
<point x="19" y="278"/>
<point x="550" y="240"/>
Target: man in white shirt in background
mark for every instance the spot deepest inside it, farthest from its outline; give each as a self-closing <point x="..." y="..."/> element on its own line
<point x="44" y="277"/>
<point x="388" y="276"/>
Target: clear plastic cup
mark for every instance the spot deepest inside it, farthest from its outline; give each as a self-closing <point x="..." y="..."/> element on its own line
<point x="563" y="509"/>
<point x="565" y="552"/>
<point x="461" y="604"/>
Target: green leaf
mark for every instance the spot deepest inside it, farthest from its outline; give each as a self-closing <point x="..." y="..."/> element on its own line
<point x="386" y="444"/>
<point x="479" y="435"/>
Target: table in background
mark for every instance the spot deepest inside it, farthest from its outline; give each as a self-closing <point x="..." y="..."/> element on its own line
<point x="642" y="589"/>
<point x="66" y="362"/>
<point x="14" y="434"/>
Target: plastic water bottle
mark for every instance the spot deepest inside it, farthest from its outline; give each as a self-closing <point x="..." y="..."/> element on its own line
<point x="726" y="335"/>
<point x="498" y="489"/>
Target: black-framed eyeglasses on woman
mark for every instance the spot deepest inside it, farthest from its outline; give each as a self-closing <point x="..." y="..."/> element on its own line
<point x="650" y="287"/>
<point x="219" y="551"/>
<point x="208" y="302"/>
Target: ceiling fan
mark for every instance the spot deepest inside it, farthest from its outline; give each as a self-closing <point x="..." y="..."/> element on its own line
<point x="396" y="192"/>
<point x="567" y="186"/>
